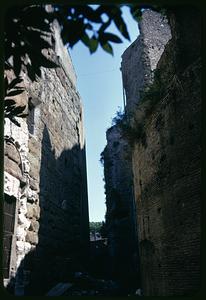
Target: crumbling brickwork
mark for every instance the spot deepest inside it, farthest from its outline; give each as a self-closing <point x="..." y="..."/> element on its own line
<point x="140" y="59"/>
<point x="45" y="170"/>
<point x="166" y="166"/>
<point x="121" y="213"/>
<point x="167" y="191"/>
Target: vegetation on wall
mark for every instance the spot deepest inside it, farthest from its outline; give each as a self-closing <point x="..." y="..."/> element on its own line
<point x="132" y="125"/>
<point x="132" y="130"/>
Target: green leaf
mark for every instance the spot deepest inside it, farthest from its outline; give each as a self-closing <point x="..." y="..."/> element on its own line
<point x="136" y="12"/>
<point x="90" y="13"/>
<point x="121" y="26"/>
<point x="93" y="44"/>
<point x="112" y="37"/>
<point x="86" y="40"/>
<point x="88" y="26"/>
<point x="107" y="47"/>
<point x="15" y="93"/>
<point x="104" y="26"/>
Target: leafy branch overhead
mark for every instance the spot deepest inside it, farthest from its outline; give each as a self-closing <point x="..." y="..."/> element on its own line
<point x="28" y="31"/>
<point x="28" y="35"/>
<point x="88" y="24"/>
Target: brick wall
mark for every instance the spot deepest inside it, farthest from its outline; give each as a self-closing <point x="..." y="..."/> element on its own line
<point x="120" y="213"/>
<point x="167" y="189"/>
<point x="166" y="163"/>
<point x="52" y="226"/>
<point x="166" y="167"/>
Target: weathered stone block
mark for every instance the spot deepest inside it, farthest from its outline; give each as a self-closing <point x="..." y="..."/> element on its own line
<point x="20" y="246"/>
<point x="32" y="237"/>
<point x="33" y="211"/>
<point x="34" y="166"/>
<point x="34" y="147"/>
<point x="34" y="226"/>
<point x="20" y="233"/>
<point x="22" y="220"/>
<point x="11" y="185"/>
<point x="12" y="153"/>
<point x="36" y="211"/>
<point x="12" y="168"/>
<point x="29" y="213"/>
<point x="32" y="196"/>
<point x="34" y="184"/>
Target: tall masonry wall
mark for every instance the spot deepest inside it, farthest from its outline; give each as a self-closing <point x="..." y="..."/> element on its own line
<point x="166" y="166"/>
<point x="120" y="213"/>
<point x="138" y="63"/>
<point x="45" y="178"/>
<point x="140" y="59"/>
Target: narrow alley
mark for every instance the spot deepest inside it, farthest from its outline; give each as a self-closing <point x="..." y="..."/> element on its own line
<point x="149" y="242"/>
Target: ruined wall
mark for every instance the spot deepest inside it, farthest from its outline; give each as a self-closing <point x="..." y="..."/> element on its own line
<point x="166" y="167"/>
<point x="167" y="190"/>
<point x="140" y="59"/>
<point x="50" y="182"/>
<point x="121" y="213"/>
<point x="138" y="63"/>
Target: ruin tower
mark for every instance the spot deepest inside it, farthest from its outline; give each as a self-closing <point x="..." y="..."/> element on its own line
<point x="140" y="59"/>
<point x="138" y="64"/>
<point x="46" y="225"/>
<point x="166" y="154"/>
<point x="164" y="65"/>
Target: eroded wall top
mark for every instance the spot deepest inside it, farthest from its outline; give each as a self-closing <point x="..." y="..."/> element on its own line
<point x="141" y="58"/>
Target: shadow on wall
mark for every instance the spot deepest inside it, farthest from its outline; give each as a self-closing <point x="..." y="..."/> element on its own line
<point x="123" y="247"/>
<point x="63" y="235"/>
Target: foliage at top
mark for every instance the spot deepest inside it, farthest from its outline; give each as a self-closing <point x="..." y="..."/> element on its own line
<point x="87" y="24"/>
<point x="28" y="28"/>
<point x="28" y="31"/>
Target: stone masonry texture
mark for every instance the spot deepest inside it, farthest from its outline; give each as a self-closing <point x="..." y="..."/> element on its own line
<point x="46" y="156"/>
<point x="140" y="59"/>
<point x="166" y="166"/>
<point x="121" y="213"/>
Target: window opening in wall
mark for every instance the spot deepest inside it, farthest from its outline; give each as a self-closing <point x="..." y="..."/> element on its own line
<point x="8" y="231"/>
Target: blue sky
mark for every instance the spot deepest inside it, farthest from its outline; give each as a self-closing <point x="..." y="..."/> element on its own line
<point x="99" y="83"/>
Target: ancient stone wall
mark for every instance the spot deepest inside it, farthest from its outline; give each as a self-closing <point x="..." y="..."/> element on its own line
<point x="166" y="167"/>
<point x="45" y="169"/>
<point x="167" y="191"/>
<point x="121" y="212"/>
<point x="140" y="59"/>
